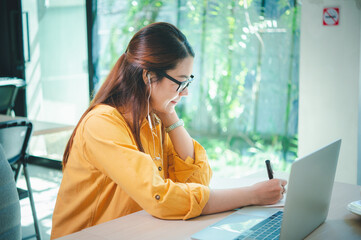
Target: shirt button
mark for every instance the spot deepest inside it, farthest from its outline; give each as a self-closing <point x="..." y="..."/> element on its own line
<point x="157" y="197"/>
<point x="160" y="168"/>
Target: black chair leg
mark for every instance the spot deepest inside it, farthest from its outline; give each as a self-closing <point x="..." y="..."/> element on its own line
<point x="32" y="204"/>
<point x="18" y="170"/>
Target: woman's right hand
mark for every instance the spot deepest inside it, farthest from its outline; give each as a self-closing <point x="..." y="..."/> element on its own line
<point x="268" y="192"/>
<point x="262" y="193"/>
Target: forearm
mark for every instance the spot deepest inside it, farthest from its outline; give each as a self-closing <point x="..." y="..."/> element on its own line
<point x="221" y="200"/>
<point x="262" y="193"/>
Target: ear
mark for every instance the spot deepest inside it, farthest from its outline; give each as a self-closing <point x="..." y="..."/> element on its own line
<point x="145" y="76"/>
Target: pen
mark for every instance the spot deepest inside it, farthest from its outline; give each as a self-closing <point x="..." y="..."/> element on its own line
<point x="269" y="169"/>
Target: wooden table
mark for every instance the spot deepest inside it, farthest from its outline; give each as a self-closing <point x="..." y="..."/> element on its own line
<point x="340" y="223"/>
<point x="41" y="127"/>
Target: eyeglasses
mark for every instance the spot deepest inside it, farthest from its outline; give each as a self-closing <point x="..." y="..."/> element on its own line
<point x="181" y="85"/>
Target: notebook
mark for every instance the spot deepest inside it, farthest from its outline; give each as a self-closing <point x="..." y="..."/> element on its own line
<point x="306" y="207"/>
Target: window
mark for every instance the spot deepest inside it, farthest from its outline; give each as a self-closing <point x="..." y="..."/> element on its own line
<point x="246" y="73"/>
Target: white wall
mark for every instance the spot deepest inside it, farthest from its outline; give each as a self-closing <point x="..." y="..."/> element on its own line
<point x="57" y="75"/>
<point x="329" y="82"/>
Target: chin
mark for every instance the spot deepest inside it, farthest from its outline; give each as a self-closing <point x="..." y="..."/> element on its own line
<point x="167" y="109"/>
<point x="171" y="109"/>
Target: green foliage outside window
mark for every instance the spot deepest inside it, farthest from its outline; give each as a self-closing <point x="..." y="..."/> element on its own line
<point x="243" y="105"/>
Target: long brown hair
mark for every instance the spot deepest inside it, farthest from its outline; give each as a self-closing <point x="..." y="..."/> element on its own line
<point x="156" y="47"/>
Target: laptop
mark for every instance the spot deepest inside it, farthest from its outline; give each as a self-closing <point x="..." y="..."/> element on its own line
<point x="306" y="207"/>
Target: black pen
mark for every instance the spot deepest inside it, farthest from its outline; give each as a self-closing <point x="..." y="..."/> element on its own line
<point x="269" y="169"/>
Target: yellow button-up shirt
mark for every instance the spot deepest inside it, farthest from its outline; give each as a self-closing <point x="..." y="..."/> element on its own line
<point x="107" y="177"/>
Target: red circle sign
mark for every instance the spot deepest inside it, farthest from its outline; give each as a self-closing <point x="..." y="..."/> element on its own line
<point x="331" y="16"/>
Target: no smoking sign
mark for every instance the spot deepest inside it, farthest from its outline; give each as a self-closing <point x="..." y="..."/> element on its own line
<point x="331" y="16"/>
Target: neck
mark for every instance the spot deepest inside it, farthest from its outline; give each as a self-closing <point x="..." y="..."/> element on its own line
<point x="128" y="116"/>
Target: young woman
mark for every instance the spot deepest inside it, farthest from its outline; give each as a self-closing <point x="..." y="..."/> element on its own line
<point x="130" y="151"/>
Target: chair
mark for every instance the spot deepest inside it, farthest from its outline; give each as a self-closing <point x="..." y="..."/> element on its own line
<point x="14" y="138"/>
<point x="7" y="98"/>
<point x="10" y="218"/>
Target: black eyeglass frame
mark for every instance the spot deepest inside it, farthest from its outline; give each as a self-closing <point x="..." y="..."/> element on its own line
<point x="181" y="85"/>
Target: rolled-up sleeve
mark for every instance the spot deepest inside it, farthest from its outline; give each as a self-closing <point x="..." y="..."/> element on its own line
<point x="190" y="170"/>
<point x="110" y="147"/>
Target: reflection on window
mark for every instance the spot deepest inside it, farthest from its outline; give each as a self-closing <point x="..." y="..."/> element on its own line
<point x="243" y="104"/>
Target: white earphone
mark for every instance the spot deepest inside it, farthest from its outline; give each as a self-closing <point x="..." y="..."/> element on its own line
<point x="158" y="158"/>
<point x="148" y="75"/>
<point x="150" y="91"/>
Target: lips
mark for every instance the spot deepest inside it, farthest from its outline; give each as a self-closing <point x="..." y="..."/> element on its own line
<point x="175" y="101"/>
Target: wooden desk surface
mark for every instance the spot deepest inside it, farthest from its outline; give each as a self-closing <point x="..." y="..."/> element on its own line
<point x="340" y="223"/>
<point x="41" y="127"/>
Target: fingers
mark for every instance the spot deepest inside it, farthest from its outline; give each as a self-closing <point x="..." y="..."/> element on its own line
<point x="269" y="191"/>
<point x="283" y="184"/>
<point x="283" y="189"/>
<point x="279" y="185"/>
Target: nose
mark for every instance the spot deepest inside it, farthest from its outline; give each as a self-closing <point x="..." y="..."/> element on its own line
<point x="184" y="92"/>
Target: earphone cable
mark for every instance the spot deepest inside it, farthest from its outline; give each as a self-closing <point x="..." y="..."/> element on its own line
<point x="160" y="157"/>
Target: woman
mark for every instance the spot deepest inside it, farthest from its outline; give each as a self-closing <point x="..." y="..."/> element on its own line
<point x="130" y="150"/>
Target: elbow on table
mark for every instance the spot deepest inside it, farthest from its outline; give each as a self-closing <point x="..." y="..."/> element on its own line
<point x="162" y="211"/>
<point x="183" y="202"/>
<point x="173" y="211"/>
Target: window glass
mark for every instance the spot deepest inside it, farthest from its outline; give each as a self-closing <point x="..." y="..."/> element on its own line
<point x="243" y="104"/>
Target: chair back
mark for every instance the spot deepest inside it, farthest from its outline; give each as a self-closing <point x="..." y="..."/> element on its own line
<point x="10" y="218"/>
<point x="7" y="98"/>
<point x="14" y="138"/>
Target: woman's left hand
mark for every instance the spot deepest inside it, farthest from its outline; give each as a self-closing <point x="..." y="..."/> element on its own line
<point x="182" y="142"/>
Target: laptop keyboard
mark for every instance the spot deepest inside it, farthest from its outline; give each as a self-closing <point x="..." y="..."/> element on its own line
<point x="269" y="228"/>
